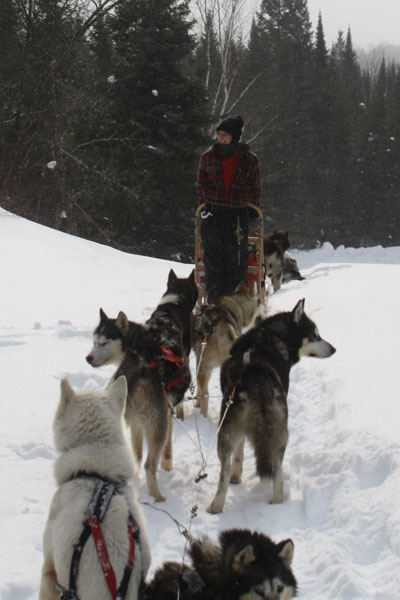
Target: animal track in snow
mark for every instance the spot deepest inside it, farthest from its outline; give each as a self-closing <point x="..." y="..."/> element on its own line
<point x="373" y="471"/>
<point x="31" y="451"/>
<point x="67" y="330"/>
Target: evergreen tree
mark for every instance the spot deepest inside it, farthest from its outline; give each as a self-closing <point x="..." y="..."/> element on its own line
<point x="43" y="80"/>
<point x="284" y="34"/>
<point x="324" y="112"/>
<point x="347" y="140"/>
<point x="10" y="81"/>
<point x="378" y="172"/>
<point x="393" y="154"/>
<point x="158" y="117"/>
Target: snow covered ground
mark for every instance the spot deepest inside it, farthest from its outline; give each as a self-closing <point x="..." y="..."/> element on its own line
<point x="342" y="467"/>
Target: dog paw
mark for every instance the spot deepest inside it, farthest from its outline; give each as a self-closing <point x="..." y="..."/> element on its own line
<point x="179" y="412"/>
<point x="159" y="498"/>
<point x="236" y="479"/>
<point x="277" y="500"/>
<point x="166" y="464"/>
<point x="214" y="508"/>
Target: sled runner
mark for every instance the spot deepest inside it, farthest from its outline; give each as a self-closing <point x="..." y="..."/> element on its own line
<point x="255" y="271"/>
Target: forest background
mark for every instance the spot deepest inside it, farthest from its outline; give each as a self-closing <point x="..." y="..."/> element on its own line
<point x="106" y="106"/>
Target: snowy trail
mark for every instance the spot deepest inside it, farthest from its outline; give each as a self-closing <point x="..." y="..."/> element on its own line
<point x="342" y="465"/>
<point x="341" y="475"/>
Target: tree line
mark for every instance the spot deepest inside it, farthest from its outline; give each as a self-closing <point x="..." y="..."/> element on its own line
<point x="106" y="106"/>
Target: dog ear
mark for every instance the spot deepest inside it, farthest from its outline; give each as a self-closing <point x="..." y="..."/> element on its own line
<point x="103" y="316"/>
<point x="242" y="559"/>
<point x="241" y="287"/>
<point x="171" y="277"/>
<point x="66" y="389"/>
<point x="67" y="392"/>
<point x="122" y="323"/>
<point x="191" y="277"/>
<point x="298" y="311"/>
<point x="253" y="289"/>
<point x="285" y="551"/>
<point x="117" y="393"/>
<point x="287" y="241"/>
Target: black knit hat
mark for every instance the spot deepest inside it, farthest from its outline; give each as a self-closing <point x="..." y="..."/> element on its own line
<point x="232" y="125"/>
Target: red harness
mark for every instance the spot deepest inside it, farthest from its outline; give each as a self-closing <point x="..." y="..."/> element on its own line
<point x="102" y="552"/>
<point x="103" y="493"/>
<point x="171" y="357"/>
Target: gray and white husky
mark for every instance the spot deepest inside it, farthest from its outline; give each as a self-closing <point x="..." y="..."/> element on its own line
<point x="244" y="565"/>
<point x="154" y="358"/>
<point x="255" y="383"/>
<point x="89" y="434"/>
<point x="214" y="329"/>
<point x="280" y="266"/>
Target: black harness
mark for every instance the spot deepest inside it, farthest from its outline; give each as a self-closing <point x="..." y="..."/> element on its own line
<point x="104" y="491"/>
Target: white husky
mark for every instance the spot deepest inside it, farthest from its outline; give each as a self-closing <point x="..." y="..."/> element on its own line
<point x="92" y="472"/>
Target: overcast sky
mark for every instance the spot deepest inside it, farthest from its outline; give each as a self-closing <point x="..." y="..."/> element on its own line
<point x="371" y="21"/>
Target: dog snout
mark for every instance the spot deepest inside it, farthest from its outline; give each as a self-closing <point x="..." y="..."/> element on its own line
<point x="89" y="359"/>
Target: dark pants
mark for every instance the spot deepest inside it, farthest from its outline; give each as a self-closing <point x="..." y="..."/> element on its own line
<point x="224" y="234"/>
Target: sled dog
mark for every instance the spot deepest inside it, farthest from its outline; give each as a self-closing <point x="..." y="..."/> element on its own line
<point x="255" y="383"/>
<point x="170" y="326"/>
<point x="290" y="269"/>
<point x="280" y="266"/>
<point x="214" y="329"/>
<point x="154" y="359"/>
<point x="273" y="261"/>
<point x="244" y="565"/>
<point x="94" y="504"/>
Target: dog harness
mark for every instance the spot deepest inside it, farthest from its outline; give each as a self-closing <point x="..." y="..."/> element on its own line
<point x="173" y="358"/>
<point x="104" y="491"/>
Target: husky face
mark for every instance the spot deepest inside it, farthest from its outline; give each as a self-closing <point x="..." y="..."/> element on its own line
<point x="278" y="582"/>
<point x="290" y="269"/>
<point x="312" y="344"/>
<point x="245" y="565"/>
<point x="273" y="261"/>
<point x="265" y="568"/>
<point x="108" y="340"/>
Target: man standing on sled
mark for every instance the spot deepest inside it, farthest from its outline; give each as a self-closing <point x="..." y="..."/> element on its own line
<point x="228" y="180"/>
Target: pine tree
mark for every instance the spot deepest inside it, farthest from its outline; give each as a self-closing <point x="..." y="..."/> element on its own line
<point x="347" y="140"/>
<point x="10" y="81"/>
<point x="45" y="52"/>
<point x="379" y="163"/>
<point x="284" y="34"/>
<point x="158" y="117"/>
<point x="323" y="111"/>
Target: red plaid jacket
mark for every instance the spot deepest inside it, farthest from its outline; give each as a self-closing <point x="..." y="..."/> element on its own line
<point x="245" y="187"/>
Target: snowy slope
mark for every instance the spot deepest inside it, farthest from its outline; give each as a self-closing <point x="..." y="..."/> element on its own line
<point x="342" y="467"/>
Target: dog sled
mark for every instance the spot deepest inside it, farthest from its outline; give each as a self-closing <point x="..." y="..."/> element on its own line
<point x="255" y="271"/>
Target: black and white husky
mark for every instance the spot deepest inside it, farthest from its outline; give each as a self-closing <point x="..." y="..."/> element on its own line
<point x="255" y="383"/>
<point x="154" y="359"/>
<point x="244" y="565"/>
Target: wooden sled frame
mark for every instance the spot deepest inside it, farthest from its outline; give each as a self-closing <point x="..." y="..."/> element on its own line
<point x="255" y="271"/>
